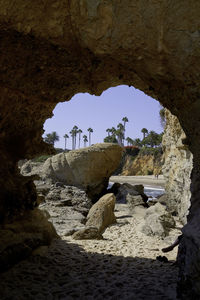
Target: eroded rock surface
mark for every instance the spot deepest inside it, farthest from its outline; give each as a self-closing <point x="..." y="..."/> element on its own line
<point x="53" y="50"/>
<point x="67" y="208"/>
<point x="178" y="163"/>
<point x="158" y="221"/>
<point x="142" y="165"/>
<point x="100" y="216"/>
<point x="19" y="238"/>
<point x="133" y="195"/>
<point x="87" y="168"/>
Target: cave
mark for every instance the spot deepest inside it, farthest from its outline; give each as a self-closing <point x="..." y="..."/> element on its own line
<point x="51" y="51"/>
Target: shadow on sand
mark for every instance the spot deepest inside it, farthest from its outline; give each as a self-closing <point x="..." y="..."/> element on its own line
<point x="66" y="271"/>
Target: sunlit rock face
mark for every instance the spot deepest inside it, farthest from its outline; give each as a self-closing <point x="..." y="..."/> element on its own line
<point x="51" y="50"/>
<point x="177" y="168"/>
<point x="87" y="168"/>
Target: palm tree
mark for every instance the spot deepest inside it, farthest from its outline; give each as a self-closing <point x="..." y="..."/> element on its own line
<point x="90" y="130"/>
<point x="79" y="137"/>
<point x="129" y="141"/>
<point x="125" y="120"/>
<point x="137" y="142"/>
<point x="108" y="130"/>
<point x="66" y="137"/>
<point x="72" y="135"/>
<point x="75" y="129"/>
<point x="144" y="131"/>
<point x="113" y="131"/>
<point x="85" y="140"/>
<point x="120" y="133"/>
<point x="51" y="138"/>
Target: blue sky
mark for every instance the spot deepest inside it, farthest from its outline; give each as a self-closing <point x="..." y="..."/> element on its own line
<point x="105" y="111"/>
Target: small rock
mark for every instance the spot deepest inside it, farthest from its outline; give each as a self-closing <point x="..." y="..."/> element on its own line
<point x="89" y="233"/>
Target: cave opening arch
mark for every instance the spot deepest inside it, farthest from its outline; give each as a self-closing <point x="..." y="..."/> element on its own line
<point x="51" y="52"/>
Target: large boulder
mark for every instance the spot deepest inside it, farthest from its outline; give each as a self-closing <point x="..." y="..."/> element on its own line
<point x="101" y="213"/>
<point x="19" y="238"/>
<point x="100" y="216"/>
<point x="158" y="221"/>
<point x="88" y="168"/>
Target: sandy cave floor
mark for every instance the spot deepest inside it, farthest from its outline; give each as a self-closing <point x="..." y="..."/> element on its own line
<point x="121" y="266"/>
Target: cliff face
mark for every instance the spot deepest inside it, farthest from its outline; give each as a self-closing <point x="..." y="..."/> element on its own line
<point x="178" y="162"/>
<point x="142" y="165"/>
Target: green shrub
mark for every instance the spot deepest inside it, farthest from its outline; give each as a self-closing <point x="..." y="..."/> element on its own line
<point x="132" y="150"/>
<point x="151" y="151"/>
<point x="41" y="158"/>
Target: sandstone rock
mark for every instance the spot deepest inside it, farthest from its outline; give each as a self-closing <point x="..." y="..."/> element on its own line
<point x="133" y="195"/>
<point x="160" y="199"/>
<point x="70" y="195"/>
<point x="85" y="46"/>
<point x="177" y="168"/>
<point x="30" y="168"/>
<point x="65" y="219"/>
<point x="87" y="168"/>
<point x="19" y="238"/>
<point x="142" y="165"/>
<point x="134" y="201"/>
<point x="163" y="199"/>
<point x="89" y="233"/>
<point x="68" y="207"/>
<point x="158" y="221"/>
<point x="101" y="213"/>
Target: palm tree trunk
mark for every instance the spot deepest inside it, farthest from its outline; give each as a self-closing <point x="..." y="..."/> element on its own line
<point x="65" y="143"/>
<point x="79" y="141"/>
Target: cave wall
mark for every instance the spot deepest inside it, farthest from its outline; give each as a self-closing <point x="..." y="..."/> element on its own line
<point x="51" y="50"/>
<point x="177" y="168"/>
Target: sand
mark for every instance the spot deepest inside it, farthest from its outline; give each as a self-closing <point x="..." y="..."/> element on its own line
<point x="121" y="266"/>
<point x="148" y="180"/>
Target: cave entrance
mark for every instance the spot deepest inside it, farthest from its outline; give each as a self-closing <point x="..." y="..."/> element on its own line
<point x="124" y="245"/>
<point x="97" y="119"/>
<point x="120" y="105"/>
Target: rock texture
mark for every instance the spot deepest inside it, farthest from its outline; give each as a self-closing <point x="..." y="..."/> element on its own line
<point x="100" y="216"/>
<point x="101" y="213"/>
<point x="19" y="238"/>
<point x="66" y="206"/>
<point x="53" y="50"/>
<point x="142" y="165"/>
<point x="158" y="221"/>
<point x="133" y="195"/>
<point x="178" y="163"/>
<point x="87" y="168"/>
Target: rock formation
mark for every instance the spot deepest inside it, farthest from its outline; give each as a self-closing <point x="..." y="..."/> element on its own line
<point x="19" y="238"/>
<point x="53" y="50"/>
<point x="67" y="207"/>
<point x="100" y="216"/>
<point x="177" y="168"/>
<point x="131" y="195"/>
<point x="87" y="168"/>
<point x="158" y="221"/>
<point x="142" y="165"/>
